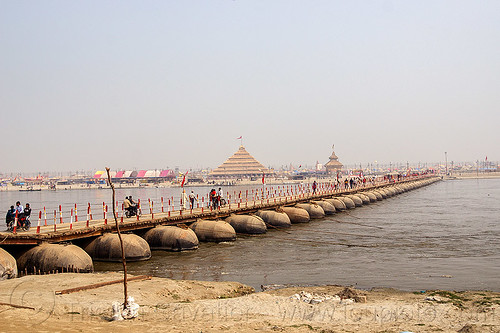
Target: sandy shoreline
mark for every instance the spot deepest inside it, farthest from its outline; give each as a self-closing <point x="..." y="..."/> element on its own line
<point x="12" y="188"/>
<point x="489" y="175"/>
<point x="200" y="306"/>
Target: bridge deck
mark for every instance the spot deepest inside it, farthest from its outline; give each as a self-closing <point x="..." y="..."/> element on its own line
<point x="65" y="232"/>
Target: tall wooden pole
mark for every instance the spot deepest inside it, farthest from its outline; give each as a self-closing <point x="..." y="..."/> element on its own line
<point x="124" y="261"/>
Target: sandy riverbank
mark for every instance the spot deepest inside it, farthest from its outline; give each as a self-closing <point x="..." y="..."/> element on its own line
<point x="269" y="182"/>
<point x="473" y="175"/>
<point x="35" y="188"/>
<point x="199" y="306"/>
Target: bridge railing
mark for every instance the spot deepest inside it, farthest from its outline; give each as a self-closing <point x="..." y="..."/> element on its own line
<point x="84" y="217"/>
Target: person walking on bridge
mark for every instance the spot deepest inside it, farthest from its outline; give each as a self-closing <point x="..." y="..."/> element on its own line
<point x="213" y="198"/>
<point x="220" y="195"/>
<point x="192" y="198"/>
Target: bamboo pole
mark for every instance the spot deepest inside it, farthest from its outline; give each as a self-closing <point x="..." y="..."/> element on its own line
<point x="17" y="306"/>
<point x="101" y="284"/>
<point x="124" y="261"/>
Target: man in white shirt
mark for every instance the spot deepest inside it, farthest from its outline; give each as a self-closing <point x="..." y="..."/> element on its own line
<point x="19" y="208"/>
<point x="220" y="195"/>
<point x="192" y="198"/>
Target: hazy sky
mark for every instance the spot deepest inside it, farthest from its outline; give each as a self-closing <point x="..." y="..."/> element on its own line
<point x="151" y="84"/>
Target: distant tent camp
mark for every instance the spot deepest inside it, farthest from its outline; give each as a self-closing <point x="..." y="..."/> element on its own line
<point x="100" y="174"/>
<point x="165" y="174"/>
<point x="151" y="174"/>
<point x="119" y="174"/>
<point x="104" y="175"/>
<point x="240" y="165"/>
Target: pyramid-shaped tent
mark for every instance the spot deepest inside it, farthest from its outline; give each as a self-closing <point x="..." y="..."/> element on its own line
<point x="240" y="165"/>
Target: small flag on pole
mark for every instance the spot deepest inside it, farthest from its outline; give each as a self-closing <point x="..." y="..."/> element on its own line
<point x="184" y="179"/>
<point x="239" y="138"/>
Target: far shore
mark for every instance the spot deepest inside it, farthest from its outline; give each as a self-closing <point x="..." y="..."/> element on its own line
<point x="270" y="181"/>
<point x="13" y="188"/>
<point x="473" y="175"/>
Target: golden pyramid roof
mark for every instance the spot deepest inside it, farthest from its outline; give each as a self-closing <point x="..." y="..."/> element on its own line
<point x="333" y="163"/>
<point x="333" y="156"/>
<point x="241" y="164"/>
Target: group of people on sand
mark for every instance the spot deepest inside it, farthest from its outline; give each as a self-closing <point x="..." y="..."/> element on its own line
<point x="21" y="213"/>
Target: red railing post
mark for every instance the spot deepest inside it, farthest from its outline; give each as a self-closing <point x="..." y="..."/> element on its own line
<point x="39" y="221"/>
<point x="71" y="220"/>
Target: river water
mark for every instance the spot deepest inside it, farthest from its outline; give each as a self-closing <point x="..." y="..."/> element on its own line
<point x="442" y="236"/>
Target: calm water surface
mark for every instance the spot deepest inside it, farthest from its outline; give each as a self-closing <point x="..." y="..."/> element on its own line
<point x="445" y="235"/>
